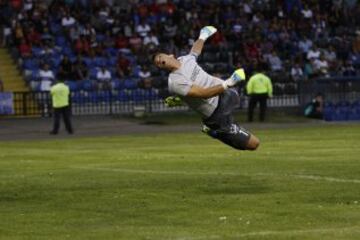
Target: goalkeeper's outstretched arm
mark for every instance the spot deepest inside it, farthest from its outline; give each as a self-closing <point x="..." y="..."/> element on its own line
<point x="205" y="33"/>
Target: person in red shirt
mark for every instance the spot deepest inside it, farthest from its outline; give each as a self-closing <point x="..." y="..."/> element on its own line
<point x="123" y="68"/>
<point x="121" y="41"/>
<point x="33" y="37"/>
<point x="25" y="49"/>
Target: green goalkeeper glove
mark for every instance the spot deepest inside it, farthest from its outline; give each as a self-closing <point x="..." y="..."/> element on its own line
<point x="173" y="101"/>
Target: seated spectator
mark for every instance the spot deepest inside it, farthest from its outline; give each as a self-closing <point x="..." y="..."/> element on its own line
<point x="103" y="78"/>
<point x="321" y="66"/>
<point x="46" y="77"/>
<point x="274" y="61"/>
<point x="297" y="73"/>
<point x="313" y="53"/>
<point x="135" y="42"/>
<point x="145" y="77"/>
<point x="151" y="40"/>
<point x="65" y="69"/>
<point x="46" y="37"/>
<point x="47" y="52"/>
<point x="33" y="37"/>
<point x="82" y="46"/>
<point x="67" y="21"/>
<point x="25" y="49"/>
<point x="122" y="42"/>
<point x="87" y="31"/>
<point x="170" y="29"/>
<point x="143" y="28"/>
<point x="348" y="69"/>
<point x="123" y="68"/>
<point x="80" y="70"/>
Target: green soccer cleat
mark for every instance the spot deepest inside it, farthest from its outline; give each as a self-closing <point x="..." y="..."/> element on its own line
<point x="206" y="32"/>
<point x="173" y="101"/>
<point x="238" y="75"/>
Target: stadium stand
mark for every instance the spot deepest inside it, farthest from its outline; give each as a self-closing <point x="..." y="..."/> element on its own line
<point x="296" y="40"/>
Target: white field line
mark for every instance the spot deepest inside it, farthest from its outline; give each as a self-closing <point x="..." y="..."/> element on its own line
<point x="159" y="172"/>
<point x="286" y="233"/>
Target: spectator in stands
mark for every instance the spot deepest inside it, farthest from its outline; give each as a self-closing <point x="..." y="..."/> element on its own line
<point x="65" y="69"/>
<point x="122" y="42"/>
<point x="67" y="21"/>
<point x="348" y="69"/>
<point x="297" y="73"/>
<point x="33" y="37"/>
<point x="80" y="71"/>
<point x="313" y="53"/>
<point x="151" y="40"/>
<point x="25" y="49"/>
<point x="135" y="43"/>
<point x="321" y="66"/>
<point x="143" y="29"/>
<point x="170" y="29"/>
<point x="82" y="46"/>
<point x="6" y="36"/>
<point x="274" y="62"/>
<point x="103" y="78"/>
<point x="145" y="77"/>
<point x="123" y="67"/>
<point x="46" y="77"/>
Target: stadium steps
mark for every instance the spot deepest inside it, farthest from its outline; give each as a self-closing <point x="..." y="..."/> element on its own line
<point x="10" y="75"/>
<point x="13" y="81"/>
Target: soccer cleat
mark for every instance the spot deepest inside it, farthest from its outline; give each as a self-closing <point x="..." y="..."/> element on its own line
<point x="206" y="32"/>
<point x="173" y="101"/>
<point x="212" y="133"/>
<point x="238" y="75"/>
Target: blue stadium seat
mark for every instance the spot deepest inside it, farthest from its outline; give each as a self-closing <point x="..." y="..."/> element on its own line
<point x="123" y="96"/>
<point x="130" y="83"/>
<point x="72" y="85"/>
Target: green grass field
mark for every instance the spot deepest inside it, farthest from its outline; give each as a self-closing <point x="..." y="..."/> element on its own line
<point x="303" y="183"/>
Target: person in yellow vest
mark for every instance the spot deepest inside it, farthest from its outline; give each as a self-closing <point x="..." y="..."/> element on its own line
<point x="259" y="88"/>
<point x="60" y="94"/>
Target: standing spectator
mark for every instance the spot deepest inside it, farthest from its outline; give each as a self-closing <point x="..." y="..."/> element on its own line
<point x="103" y="77"/>
<point x="60" y="94"/>
<point x="259" y="88"/>
<point x="46" y="77"/>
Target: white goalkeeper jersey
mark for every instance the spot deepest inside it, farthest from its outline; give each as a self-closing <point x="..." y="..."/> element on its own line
<point x="190" y="73"/>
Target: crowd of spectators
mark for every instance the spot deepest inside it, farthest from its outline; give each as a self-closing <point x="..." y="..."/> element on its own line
<point x="107" y="42"/>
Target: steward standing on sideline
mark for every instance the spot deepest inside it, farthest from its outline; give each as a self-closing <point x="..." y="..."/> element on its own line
<point x="259" y="88"/>
<point x="60" y="101"/>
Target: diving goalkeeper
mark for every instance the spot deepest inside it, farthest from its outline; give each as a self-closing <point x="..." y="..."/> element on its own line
<point x="213" y="98"/>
